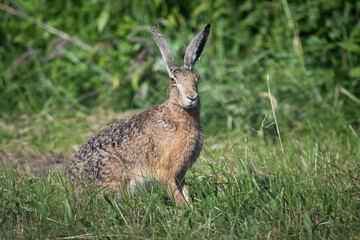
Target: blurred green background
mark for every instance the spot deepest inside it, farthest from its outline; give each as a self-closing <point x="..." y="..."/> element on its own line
<point x="309" y="49"/>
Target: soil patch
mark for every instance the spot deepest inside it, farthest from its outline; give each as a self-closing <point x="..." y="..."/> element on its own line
<point x="37" y="164"/>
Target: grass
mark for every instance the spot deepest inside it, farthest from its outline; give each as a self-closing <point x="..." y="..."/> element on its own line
<point x="241" y="187"/>
<point x="44" y="133"/>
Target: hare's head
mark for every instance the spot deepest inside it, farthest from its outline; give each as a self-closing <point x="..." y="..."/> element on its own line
<point x="183" y="90"/>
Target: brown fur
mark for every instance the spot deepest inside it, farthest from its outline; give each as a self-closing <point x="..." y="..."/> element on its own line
<point x="162" y="142"/>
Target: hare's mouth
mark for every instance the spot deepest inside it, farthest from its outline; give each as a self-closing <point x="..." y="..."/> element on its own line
<point x="186" y="105"/>
<point x="191" y="102"/>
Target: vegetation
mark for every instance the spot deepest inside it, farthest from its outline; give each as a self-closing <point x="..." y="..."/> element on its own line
<point x="248" y="192"/>
<point x="69" y="68"/>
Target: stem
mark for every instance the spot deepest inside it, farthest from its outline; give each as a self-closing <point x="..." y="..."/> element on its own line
<point x="273" y="111"/>
<point x="55" y="31"/>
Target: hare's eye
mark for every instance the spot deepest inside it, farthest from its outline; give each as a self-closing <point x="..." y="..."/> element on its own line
<point x="173" y="81"/>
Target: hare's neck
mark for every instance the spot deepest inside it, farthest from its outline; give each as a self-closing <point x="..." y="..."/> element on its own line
<point x="189" y="116"/>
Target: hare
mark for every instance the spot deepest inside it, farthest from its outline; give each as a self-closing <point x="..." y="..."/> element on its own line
<point x="160" y="143"/>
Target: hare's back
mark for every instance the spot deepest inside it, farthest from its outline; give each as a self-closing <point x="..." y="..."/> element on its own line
<point x="128" y="141"/>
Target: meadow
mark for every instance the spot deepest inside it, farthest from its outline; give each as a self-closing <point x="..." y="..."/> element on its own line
<point x="280" y="94"/>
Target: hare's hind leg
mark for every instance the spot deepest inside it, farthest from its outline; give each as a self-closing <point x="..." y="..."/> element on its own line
<point x="177" y="191"/>
<point x="185" y="193"/>
<point x="114" y="174"/>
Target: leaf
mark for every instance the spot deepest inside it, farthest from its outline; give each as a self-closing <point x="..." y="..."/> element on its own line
<point x="69" y="216"/>
<point x="200" y="9"/>
<point x="355" y="31"/>
<point x="308" y="224"/>
<point x="350" y="46"/>
<point x="136" y="78"/>
<point x="355" y="72"/>
<point x="116" y="82"/>
<point x="103" y="19"/>
<point x="349" y="94"/>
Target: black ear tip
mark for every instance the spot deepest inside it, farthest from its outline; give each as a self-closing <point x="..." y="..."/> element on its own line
<point x="207" y="26"/>
<point x="154" y="27"/>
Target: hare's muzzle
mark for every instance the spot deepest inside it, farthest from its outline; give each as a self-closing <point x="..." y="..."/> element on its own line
<point x="192" y="101"/>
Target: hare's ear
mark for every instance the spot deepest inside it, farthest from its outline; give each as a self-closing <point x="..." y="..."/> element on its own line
<point x="195" y="48"/>
<point x="164" y="49"/>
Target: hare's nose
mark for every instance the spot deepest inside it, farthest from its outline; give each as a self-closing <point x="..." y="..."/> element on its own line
<point x="193" y="99"/>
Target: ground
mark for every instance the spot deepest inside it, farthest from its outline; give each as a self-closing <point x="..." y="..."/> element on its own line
<point x="37" y="164"/>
